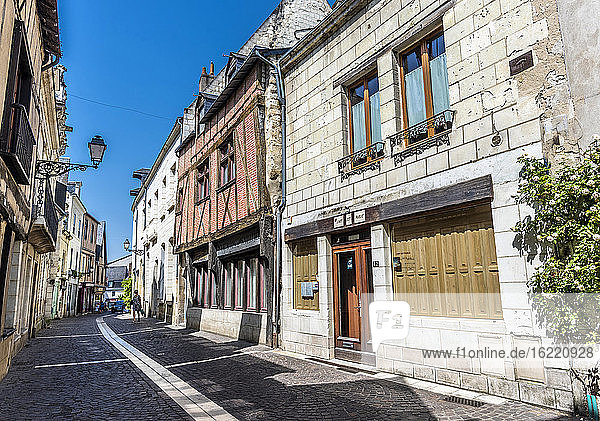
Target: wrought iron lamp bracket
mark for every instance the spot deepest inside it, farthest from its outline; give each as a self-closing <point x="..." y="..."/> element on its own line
<point x="47" y="169"/>
<point x="136" y="252"/>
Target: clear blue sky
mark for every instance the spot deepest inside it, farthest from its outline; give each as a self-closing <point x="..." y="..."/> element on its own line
<point x="144" y="55"/>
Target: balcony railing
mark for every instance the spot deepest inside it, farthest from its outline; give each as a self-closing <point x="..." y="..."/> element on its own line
<point x="18" y="150"/>
<point x="424" y="135"/>
<point x="44" y="232"/>
<point x="361" y="161"/>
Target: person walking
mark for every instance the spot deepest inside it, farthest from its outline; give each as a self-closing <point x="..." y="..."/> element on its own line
<point x="136" y="303"/>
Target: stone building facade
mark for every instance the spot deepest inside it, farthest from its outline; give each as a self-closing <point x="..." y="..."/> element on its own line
<point x="87" y="277"/>
<point x="77" y="211"/>
<point x="32" y="127"/>
<point x="155" y="271"/>
<point x="229" y="182"/>
<point x="117" y="272"/>
<point x="405" y="122"/>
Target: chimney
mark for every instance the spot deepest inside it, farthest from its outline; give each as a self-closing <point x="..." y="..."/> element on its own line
<point x="206" y="78"/>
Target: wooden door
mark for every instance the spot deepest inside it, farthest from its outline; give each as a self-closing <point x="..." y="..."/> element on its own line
<point x="352" y="283"/>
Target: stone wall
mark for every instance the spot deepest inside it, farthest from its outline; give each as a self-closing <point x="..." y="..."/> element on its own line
<point x="578" y="21"/>
<point x="158" y="232"/>
<point x="249" y="327"/>
<point x="498" y="118"/>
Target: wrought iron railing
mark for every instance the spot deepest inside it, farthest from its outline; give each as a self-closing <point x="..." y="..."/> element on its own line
<point x="429" y="133"/>
<point x="50" y="215"/>
<point x="18" y="152"/>
<point x="361" y="161"/>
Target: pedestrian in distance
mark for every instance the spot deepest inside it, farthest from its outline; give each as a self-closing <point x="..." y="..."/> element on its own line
<point x="136" y="303"/>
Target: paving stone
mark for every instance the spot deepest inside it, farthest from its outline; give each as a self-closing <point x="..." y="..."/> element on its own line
<point x="251" y="382"/>
<point x="114" y="390"/>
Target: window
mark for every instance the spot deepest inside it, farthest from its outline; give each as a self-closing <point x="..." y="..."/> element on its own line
<point x="304" y="261"/>
<point x="202" y="190"/>
<point x="201" y="295"/>
<point x="365" y="117"/>
<point x="4" y="266"/>
<point x="227" y="158"/>
<point x="179" y="200"/>
<point x="198" y="288"/>
<point x="13" y="138"/>
<point x="424" y="86"/>
<point x="244" y="285"/>
<point x="240" y="284"/>
<point x="213" y="289"/>
<point x="228" y="274"/>
<point x="252" y="284"/>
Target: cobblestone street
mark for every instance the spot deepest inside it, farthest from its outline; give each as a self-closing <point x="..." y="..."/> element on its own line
<point x="73" y="363"/>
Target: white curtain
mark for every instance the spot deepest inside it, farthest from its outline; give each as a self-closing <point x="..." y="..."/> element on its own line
<point x="415" y="96"/>
<point x="358" y="127"/>
<point x="439" y="84"/>
<point x="374" y="104"/>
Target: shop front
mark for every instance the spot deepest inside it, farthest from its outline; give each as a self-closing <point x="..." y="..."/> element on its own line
<point x="435" y="251"/>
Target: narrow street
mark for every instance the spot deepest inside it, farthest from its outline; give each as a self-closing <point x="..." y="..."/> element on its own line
<point x="158" y="371"/>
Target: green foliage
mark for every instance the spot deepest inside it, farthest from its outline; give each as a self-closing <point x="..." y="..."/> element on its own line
<point x="564" y="232"/>
<point x="126" y="297"/>
<point x="565" y="229"/>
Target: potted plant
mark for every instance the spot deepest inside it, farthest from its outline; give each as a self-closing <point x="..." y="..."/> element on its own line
<point x="591" y="385"/>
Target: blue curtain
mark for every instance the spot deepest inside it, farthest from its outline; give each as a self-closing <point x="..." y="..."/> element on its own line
<point x="358" y="127"/>
<point x="374" y="104"/>
<point x="415" y="96"/>
<point x="439" y="84"/>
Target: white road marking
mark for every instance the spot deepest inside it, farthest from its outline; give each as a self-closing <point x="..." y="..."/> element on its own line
<point x="198" y="406"/>
<point x="145" y="330"/>
<point x="81" y="363"/>
<point x="223" y="357"/>
<point x="66" y="336"/>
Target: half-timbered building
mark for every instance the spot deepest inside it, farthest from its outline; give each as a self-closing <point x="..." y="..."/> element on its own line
<point x="229" y="182"/>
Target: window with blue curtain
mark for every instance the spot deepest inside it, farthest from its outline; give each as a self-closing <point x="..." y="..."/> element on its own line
<point x="365" y="116"/>
<point x="425" y="87"/>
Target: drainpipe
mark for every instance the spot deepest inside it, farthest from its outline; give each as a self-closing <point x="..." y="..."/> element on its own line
<point x="281" y="206"/>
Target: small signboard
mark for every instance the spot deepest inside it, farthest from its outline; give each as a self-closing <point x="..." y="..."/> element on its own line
<point x="307" y="290"/>
<point x="349" y="219"/>
<point x="360" y="217"/>
<point x="521" y="63"/>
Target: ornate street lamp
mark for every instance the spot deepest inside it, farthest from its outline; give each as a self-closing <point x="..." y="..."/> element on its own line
<point x="126" y="245"/>
<point x="46" y="169"/>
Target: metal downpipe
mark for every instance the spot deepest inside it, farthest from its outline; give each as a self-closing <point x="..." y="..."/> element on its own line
<point x="282" y="203"/>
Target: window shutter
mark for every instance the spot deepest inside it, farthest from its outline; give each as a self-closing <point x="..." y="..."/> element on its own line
<point x="13" y="67"/>
<point x="305" y="270"/>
